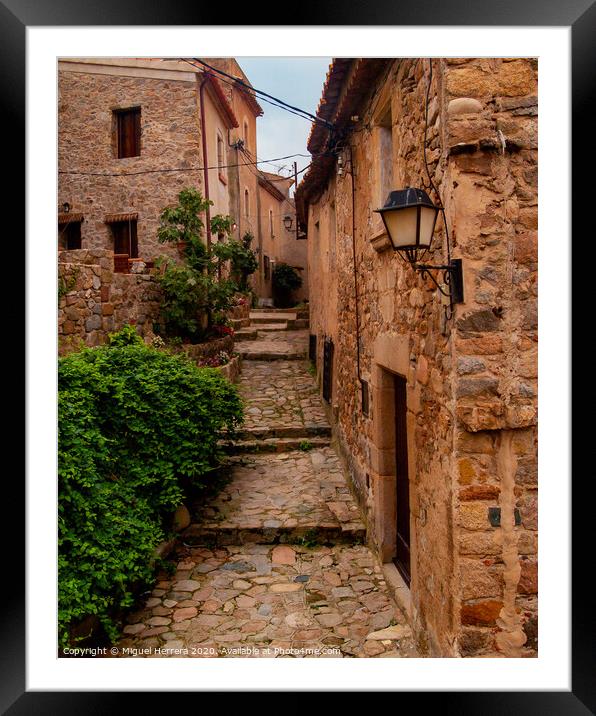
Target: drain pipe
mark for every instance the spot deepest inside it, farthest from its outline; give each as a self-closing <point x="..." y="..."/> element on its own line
<point x="354" y="265"/>
<point x="205" y="158"/>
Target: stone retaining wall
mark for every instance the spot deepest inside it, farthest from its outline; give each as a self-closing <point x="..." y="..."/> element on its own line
<point x="100" y="301"/>
<point x="203" y="351"/>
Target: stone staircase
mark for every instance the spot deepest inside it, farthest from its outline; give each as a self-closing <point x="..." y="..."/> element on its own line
<point x="287" y="482"/>
<point x="272" y="334"/>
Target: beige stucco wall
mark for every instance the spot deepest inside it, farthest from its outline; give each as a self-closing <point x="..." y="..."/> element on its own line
<point x="293" y="251"/>
<point x="218" y="179"/>
<point x="270" y="241"/>
<point x="242" y="177"/>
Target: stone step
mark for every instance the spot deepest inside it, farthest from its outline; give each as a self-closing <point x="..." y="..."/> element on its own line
<point x="301" y="312"/>
<point x="287" y="431"/>
<point x="272" y="317"/>
<point x="298" y="324"/>
<point x="270" y="326"/>
<point x="249" y="352"/>
<point x="240" y="323"/>
<point x="246" y="334"/>
<point x="222" y="534"/>
<point x="276" y="445"/>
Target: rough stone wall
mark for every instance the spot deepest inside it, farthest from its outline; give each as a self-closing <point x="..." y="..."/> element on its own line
<point x="471" y="380"/>
<point x="490" y="107"/>
<point x="170" y="138"/>
<point x="100" y="301"/>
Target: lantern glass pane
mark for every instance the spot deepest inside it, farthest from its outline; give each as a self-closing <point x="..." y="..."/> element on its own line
<point x="401" y="226"/>
<point x="427" y="225"/>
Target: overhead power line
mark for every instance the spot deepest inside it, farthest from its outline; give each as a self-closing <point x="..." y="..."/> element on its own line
<point x="261" y="95"/>
<point x="179" y="169"/>
<point x="234" y="82"/>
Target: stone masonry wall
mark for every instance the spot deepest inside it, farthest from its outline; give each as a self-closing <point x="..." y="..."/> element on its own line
<point x="170" y="138"/>
<point x="100" y="301"/>
<point x="471" y="379"/>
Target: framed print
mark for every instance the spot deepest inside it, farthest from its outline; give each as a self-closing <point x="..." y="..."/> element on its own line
<point x="303" y="409"/>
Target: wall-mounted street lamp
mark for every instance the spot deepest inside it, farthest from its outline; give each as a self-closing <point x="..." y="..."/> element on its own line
<point x="66" y="207"/>
<point x="410" y="217"/>
<point x="288" y="222"/>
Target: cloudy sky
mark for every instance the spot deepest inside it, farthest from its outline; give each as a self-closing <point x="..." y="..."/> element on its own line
<point x="298" y="81"/>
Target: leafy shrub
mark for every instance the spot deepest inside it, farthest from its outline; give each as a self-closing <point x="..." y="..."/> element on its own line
<point x="285" y="280"/>
<point x="137" y="426"/>
<point x="243" y="261"/>
<point x="189" y="298"/>
<point x="195" y="291"/>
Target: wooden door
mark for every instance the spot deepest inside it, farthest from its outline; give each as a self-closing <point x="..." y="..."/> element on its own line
<point x="328" y="369"/>
<point x="402" y="552"/>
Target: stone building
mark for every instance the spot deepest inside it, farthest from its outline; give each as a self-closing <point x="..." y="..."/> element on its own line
<point x="289" y="245"/>
<point x="130" y="137"/>
<point x="435" y="414"/>
<point x="259" y="200"/>
<point x="241" y="147"/>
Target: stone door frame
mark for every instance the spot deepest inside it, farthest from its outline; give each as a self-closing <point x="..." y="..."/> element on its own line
<point x="391" y="355"/>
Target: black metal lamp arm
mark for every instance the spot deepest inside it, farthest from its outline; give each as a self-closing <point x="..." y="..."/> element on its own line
<point x="452" y="276"/>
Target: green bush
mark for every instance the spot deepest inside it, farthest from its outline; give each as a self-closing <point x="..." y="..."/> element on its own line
<point x="137" y="426"/>
<point x="194" y="292"/>
<point x="285" y="280"/>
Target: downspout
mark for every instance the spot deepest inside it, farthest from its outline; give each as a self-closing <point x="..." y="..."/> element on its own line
<point x="354" y="265"/>
<point x="205" y="158"/>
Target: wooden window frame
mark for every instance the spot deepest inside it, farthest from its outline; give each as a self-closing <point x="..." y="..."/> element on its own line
<point x="64" y="229"/>
<point x="134" y="139"/>
<point x="221" y="172"/>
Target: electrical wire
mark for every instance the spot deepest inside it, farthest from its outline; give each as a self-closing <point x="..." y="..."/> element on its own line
<point x="242" y="89"/>
<point x="262" y="94"/>
<point x="247" y="152"/>
<point x="180" y="169"/>
<point x="261" y="175"/>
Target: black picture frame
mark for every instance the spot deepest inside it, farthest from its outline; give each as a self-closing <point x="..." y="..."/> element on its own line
<point x="580" y="16"/>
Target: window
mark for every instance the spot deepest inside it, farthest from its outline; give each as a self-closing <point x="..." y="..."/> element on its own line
<point x="245" y="134"/>
<point x="128" y="132"/>
<point x="220" y="159"/>
<point x="383" y="166"/>
<point x="267" y="268"/>
<point x="246" y="203"/>
<point x="271" y="223"/>
<point x="124" y="235"/>
<point x="69" y="234"/>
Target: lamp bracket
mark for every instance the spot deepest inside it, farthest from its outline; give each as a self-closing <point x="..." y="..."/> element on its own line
<point x="452" y="276"/>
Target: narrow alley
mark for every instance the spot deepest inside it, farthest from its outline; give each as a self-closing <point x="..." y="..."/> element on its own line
<point x="276" y="565"/>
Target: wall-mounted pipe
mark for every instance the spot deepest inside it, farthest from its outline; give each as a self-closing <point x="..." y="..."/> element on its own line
<point x="205" y="157"/>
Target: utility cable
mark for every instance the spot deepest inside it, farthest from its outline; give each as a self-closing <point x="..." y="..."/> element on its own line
<point x="180" y="169"/>
<point x="235" y="84"/>
<point x="260" y="93"/>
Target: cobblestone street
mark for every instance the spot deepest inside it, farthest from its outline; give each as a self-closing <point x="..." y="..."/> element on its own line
<point x="277" y="563"/>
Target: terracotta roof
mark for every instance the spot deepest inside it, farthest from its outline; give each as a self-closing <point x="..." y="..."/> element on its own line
<point x="348" y="82"/>
<point x="217" y="93"/>
<point x="128" y="216"/>
<point x="268" y="186"/>
<point x="68" y="218"/>
<point x="327" y="104"/>
<point x="250" y="97"/>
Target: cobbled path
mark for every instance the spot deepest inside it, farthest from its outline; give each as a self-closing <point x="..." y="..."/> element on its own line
<point x="275" y="565"/>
